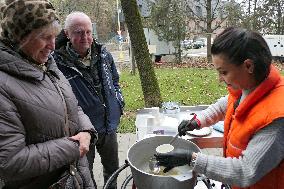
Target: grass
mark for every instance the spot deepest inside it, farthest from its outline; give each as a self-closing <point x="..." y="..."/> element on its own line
<point x="188" y="86"/>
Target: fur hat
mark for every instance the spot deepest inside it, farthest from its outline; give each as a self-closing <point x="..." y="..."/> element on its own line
<point x="20" y="17"/>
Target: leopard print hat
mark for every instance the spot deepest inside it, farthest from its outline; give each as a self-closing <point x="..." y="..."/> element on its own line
<point x="20" y="17"/>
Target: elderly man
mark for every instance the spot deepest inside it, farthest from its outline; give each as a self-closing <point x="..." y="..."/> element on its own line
<point x="92" y="74"/>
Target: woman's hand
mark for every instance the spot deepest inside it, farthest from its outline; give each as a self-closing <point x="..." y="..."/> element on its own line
<point x="84" y="140"/>
<point x="188" y="125"/>
<point x="173" y="159"/>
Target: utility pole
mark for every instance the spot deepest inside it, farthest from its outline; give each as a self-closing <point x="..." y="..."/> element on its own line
<point x="118" y="21"/>
<point x="121" y="57"/>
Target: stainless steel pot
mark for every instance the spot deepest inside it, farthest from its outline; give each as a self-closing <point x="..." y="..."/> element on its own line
<point x="138" y="157"/>
<point x="170" y="107"/>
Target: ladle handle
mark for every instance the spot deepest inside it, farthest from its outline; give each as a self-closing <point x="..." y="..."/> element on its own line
<point x="175" y="137"/>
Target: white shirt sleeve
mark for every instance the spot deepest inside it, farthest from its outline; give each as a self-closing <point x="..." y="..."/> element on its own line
<point x="264" y="152"/>
<point x="214" y="113"/>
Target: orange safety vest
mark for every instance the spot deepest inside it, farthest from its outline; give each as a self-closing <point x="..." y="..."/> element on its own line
<point x="256" y="111"/>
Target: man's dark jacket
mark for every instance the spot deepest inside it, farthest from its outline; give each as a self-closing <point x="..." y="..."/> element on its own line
<point x="104" y="114"/>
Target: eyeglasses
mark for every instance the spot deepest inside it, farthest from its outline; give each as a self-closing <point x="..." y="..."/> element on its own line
<point x="81" y="33"/>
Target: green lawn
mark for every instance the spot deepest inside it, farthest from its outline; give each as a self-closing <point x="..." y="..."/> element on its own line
<point x="188" y="86"/>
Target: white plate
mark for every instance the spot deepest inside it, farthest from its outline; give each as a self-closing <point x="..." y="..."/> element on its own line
<point x="201" y="132"/>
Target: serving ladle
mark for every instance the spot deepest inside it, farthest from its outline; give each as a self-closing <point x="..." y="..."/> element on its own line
<point x="164" y="148"/>
<point x="153" y="163"/>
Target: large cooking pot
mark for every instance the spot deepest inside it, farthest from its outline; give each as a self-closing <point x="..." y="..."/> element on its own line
<point x="138" y="157"/>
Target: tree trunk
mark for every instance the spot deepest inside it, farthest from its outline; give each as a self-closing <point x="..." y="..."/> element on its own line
<point x="209" y="56"/>
<point x="254" y="21"/>
<point x="209" y="29"/>
<point x="149" y="83"/>
<point x="178" y="56"/>
<point x="279" y="17"/>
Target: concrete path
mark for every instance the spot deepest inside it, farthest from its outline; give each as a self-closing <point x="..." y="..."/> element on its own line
<point x="125" y="141"/>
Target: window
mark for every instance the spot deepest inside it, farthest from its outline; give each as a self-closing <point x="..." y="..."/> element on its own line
<point x="198" y="11"/>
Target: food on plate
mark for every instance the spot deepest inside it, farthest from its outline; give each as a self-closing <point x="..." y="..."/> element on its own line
<point x="200" y="132"/>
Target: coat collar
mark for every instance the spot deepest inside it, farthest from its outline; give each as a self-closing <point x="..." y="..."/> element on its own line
<point x="13" y="63"/>
<point x="72" y="57"/>
<point x="258" y="93"/>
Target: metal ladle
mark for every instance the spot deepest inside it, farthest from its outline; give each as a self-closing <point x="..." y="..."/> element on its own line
<point x="153" y="163"/>
<point x="175" y="137"/>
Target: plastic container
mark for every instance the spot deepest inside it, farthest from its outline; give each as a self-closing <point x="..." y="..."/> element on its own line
<point x="167" y="126"/>
<point x="141" y="124"/>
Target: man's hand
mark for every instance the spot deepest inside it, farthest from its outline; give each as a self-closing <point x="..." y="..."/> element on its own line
<point x="173" y="159"/>
<point x="188" y="125"/>
<point x="84" y="140"/>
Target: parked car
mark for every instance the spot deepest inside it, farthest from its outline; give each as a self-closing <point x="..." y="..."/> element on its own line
<point x="186" y="44"/>
<point x="198" y="44"/>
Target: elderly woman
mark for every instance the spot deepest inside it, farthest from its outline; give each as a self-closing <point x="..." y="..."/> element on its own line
<point x="43" y="133"/>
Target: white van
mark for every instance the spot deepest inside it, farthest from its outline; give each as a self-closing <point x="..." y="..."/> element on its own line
<point x="276" y="46"/>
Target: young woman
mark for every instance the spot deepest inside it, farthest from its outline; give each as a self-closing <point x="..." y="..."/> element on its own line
<point x="253" y="114"/>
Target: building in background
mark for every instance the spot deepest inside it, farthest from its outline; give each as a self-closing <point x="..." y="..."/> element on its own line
<point x="196" y="10"/>
<point x="157" y="48"/>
